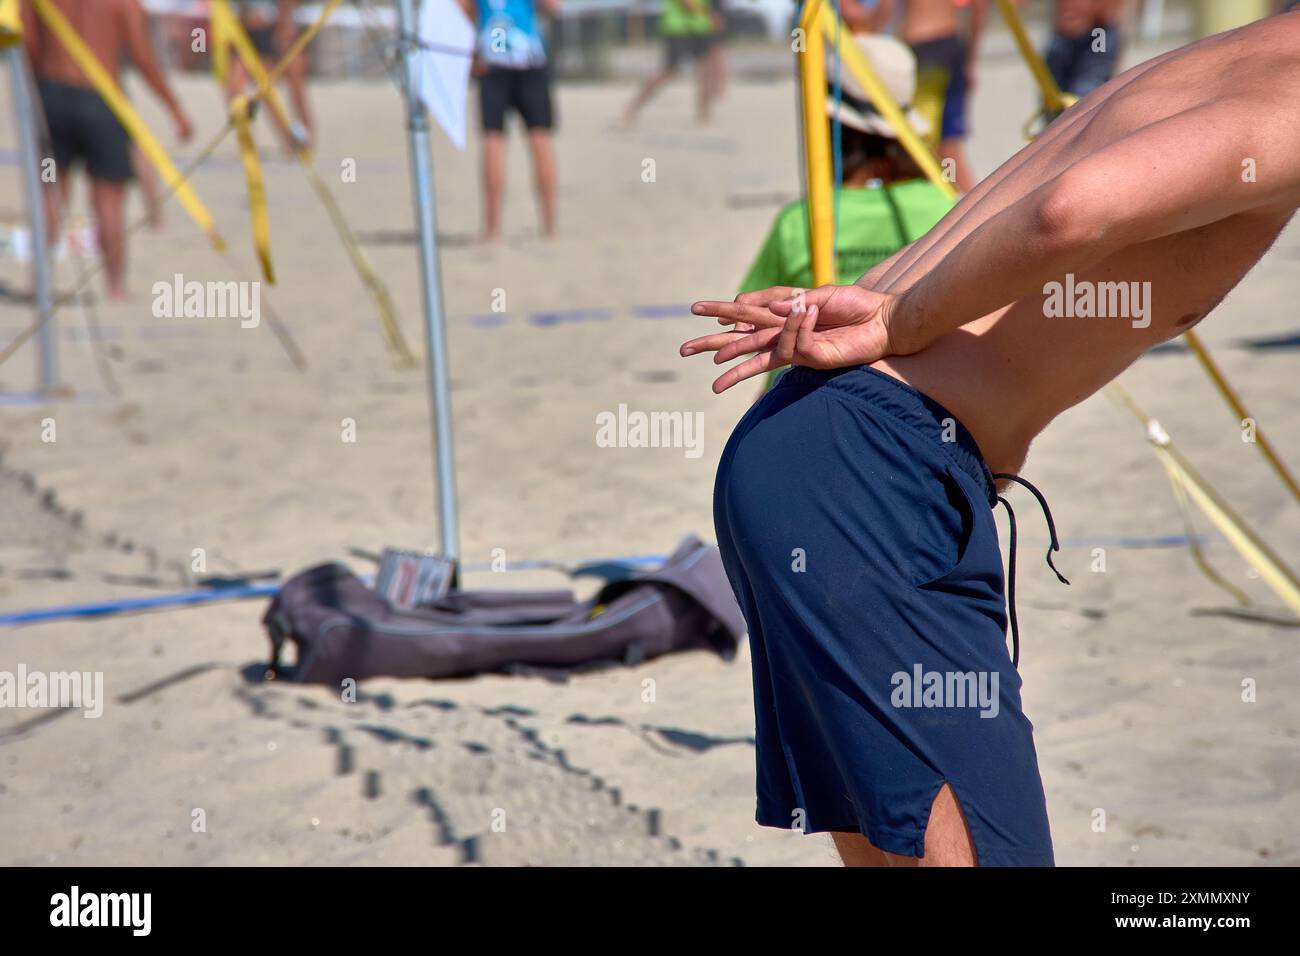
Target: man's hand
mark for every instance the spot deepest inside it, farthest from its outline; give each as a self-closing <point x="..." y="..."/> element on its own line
<point x="182" y="123"/>
<point x="830" y="327"/>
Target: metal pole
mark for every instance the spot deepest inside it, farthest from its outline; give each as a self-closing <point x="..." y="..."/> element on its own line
<point x="417" y="126"/>
<point x="29" y="149"/>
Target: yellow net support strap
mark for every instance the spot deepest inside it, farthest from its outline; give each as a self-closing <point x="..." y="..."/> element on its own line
<point x="884" y="103"/>
<point x="228" y="33"/>
<point x="240" y="109"/>
<point x="1248" y="544"/>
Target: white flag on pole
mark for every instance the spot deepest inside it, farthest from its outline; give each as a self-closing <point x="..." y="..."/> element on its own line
<point x="448" y="38"/>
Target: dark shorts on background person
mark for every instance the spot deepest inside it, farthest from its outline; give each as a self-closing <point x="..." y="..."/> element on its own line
<point x="84" y="130"/>
<point x="526" y="91"/>
<point x="946" y="56"/>
<point x="1076" y="67"/>
<point x="263" y="40"/>
<point x="854" y="516"/>
<point x="687" y="47"/>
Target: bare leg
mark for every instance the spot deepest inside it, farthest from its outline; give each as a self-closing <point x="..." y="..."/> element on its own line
<point x="494" y="182"/>
<point x="955" y="150"/>
<point x="856" y="850"/>
<point x="55" y="199"/>
<point x="107" y="199"/>
<point x="296" y="76"/>
<point x="648" y="89"/>
<point x="147" y="176"/>
<point x="718" y="60"/>
<point x="544" y="177"/>
<point x="947" y="840"/>
<point x="703" y="90"/>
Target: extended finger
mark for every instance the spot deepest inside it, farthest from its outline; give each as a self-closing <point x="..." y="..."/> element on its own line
<point x="711" y="342"/>
<point x="801" y="300"/>
<point x="804" y="334"/>
<point x="756" y="342"/>
<point x="764" y="296"/>
<point x="738" y="373"/>
<point x="785" y="346"/>
<point x="729" y="312"/>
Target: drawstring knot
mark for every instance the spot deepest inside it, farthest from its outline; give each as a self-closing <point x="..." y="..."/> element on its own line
<point x="1055" y="545"/>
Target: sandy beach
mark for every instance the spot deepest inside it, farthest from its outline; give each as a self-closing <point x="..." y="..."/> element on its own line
<point x="199" y="434"/>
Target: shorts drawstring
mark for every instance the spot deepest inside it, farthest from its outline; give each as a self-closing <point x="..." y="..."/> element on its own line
<point x="1011" y="559"/>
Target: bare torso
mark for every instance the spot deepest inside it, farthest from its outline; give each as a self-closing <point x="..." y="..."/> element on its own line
<point x="101" y="24"/>
<point x="928" y="20"/>
<point x="1007" y="375"/>
<point x="1074" y="17"/>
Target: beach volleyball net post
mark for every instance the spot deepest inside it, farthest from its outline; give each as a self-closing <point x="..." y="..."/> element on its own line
<point x="435" y="333"/>
<point x="23" y="90"/>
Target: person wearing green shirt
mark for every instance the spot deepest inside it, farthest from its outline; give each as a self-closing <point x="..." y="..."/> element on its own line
<point x="884" y="201"/>
<point x="692" y="30"/>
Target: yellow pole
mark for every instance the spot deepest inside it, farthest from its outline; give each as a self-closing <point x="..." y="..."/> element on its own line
<point x="1053" y="98"/>
<point x="860" y="66"/>
<point x="817" y="148"/>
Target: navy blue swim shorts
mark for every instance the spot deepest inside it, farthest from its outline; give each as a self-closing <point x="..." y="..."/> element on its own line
<point x="855" y="519"/>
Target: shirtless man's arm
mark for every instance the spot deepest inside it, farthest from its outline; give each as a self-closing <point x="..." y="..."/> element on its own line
<point x="31" y="32"/>
<point x="135" y="32"/>
<point x="1062" y="204"/>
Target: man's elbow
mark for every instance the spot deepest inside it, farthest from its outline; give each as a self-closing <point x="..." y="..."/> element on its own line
<point x="1066" y="217"/>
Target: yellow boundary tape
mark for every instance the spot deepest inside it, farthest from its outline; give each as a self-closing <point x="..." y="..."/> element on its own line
<point x="1248" y="544"/>
<point x="112" y="95"/>
<point x="228" y="32"/>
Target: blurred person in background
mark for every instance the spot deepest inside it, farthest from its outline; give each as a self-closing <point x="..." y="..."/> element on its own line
<point x="885" y="201"/>
<point x="1085" y="46"/>
<point x="945" y="65"/>
<point x="514" y="73"/>
<point x="83" y="130"/>
<point x="692" y="30"/>
<point x="272" y="29"/>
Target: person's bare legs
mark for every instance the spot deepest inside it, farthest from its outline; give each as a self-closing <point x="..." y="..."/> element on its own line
<point x="955" y="150"/>
<point x="55" y="199"/>
<point x="947" y="840"/>
<point x="648" y="89"/>
<point x="703" y="90"/>
<point x="147" y="177"/>
<point x="296" y="77"/>
<point x="494" y="182"/>
<point x="856" y="850"/>
<point x="544" y="177"/>
<point x="716" y="61"/>
<point x="107" y="199"/>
